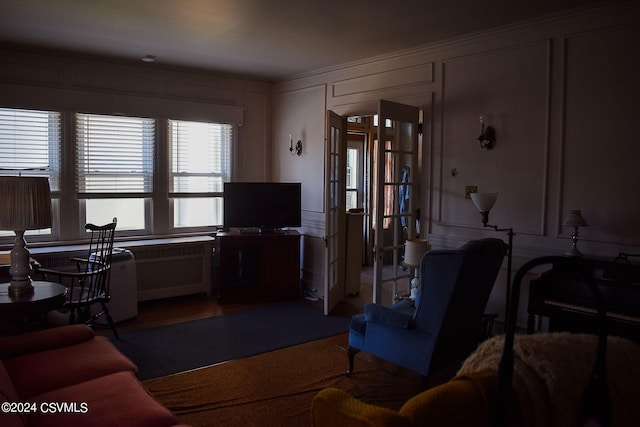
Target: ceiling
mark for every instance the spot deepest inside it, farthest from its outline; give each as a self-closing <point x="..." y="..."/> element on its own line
<point x="270" y="39"/>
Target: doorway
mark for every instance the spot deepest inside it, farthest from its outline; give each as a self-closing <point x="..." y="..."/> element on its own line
<point x="392" y="180"/>
<point x="372" y="168"/>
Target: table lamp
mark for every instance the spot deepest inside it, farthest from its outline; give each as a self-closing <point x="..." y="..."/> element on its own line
<point x="414" y="250"/>
<point x="574" y="219"/>
<point x="484" y="202"/>
<point x="26" y="205"/>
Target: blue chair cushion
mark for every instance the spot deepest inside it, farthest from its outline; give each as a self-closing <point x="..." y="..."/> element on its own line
<point x="399" y="315"/>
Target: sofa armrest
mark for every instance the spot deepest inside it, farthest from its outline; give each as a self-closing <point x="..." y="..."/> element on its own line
<point x="388" y="316"/>
<point x="336" y="408"/>
<point x="47" y="339"/>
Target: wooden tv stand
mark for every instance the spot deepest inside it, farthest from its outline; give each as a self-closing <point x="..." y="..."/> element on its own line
<point x="257" y="266"/>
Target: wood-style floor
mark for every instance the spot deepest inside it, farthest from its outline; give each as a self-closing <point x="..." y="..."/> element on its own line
<point x="180" y="309"/>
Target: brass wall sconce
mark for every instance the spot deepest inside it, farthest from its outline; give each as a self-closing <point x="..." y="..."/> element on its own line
<point x="487" y="135"/>
<point x="295" y="150"/>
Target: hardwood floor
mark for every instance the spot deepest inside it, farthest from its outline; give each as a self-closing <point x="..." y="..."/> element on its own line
<point x="180" y="309"/>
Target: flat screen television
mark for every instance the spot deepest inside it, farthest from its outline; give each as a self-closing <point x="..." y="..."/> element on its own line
<point x="265" y="206"/>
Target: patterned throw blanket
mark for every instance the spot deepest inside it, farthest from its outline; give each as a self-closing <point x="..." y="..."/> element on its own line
<point x="551" y="371"/>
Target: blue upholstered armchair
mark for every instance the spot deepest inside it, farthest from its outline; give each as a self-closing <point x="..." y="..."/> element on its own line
<point x="445" y="323"/>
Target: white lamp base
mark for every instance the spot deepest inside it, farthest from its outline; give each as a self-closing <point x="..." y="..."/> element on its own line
<point x="415" y="288"/>
<point x="19" y="271"/>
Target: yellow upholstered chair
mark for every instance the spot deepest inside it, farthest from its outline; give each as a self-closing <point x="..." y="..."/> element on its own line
<point x="463" y="401"/>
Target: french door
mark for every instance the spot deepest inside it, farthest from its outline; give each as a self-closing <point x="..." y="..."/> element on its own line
<point x="394" y="204"/>
<point x="335" y="210"/>
<point x="395" y="194"/>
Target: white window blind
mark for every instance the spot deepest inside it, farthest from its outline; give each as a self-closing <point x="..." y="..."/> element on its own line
<point x="30" y="144"/>
<point x="114" y="156"/>
<point x="200" y="158"/>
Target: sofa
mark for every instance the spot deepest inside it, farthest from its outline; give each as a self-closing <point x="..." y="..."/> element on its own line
<point x="68" y="376"/>
<point x="550" y="374"/>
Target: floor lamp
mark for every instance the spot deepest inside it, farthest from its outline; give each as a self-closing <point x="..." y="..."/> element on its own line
<point x="484" y="202"/>
<point x="26" y="205"/>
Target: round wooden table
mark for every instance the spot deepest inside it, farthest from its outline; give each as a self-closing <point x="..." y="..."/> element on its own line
<point x="46" y="296"/>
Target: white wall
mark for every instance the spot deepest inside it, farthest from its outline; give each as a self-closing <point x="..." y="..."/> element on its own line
<point x="562" y="94"/>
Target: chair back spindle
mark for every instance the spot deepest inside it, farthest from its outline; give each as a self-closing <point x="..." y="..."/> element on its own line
<point x="88" y="286"/>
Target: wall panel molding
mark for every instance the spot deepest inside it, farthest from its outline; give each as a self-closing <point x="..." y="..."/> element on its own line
<point x="599" y="111"/>
<point x="511" y="87"/>
<point x="300" y="113"/>
<point x="408" y="76"/>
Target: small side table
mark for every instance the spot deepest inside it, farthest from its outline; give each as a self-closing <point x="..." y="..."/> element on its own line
<point x="19" y="309"/>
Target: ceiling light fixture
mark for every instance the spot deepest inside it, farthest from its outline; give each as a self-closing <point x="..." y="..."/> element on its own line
<point x="149" y="58"/>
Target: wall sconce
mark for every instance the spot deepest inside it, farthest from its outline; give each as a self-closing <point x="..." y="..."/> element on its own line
<point x="487" y="135"/>
<point x="574" y="219"/>
<point x="295" y="149"/>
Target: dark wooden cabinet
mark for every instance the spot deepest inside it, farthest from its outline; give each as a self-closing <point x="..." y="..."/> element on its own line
<point x="257" y="266"/>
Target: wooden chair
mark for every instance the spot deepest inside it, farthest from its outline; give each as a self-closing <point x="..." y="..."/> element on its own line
<point x="88" y="286"/>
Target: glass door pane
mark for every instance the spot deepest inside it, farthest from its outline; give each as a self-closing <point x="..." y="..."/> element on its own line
<point x="395" y="201"/>
<point x="335" y="212"/>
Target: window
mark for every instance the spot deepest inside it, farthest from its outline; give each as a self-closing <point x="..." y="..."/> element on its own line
<point x="200" y="164"/>
<point x="352" y="178"/>
<point x="115" y="169"/>
<point x="108" y="167"/>
<point x="30" y="146"/>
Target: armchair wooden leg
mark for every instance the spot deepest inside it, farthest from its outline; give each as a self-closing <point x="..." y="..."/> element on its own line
<point x="351" y="352"/>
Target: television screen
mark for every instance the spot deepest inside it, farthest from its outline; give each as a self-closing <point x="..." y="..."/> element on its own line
<point x="264" y="205"/>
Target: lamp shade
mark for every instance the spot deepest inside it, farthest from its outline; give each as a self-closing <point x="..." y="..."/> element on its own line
<point x="484" y="201"/>
<point x="414" y="249"/>
<point x="26" y="203"/>
<point x="574" y="219"/>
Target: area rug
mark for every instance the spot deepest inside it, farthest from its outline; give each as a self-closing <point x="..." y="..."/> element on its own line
<point x="277" y="388"/>
<point x="189" y="345"/>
